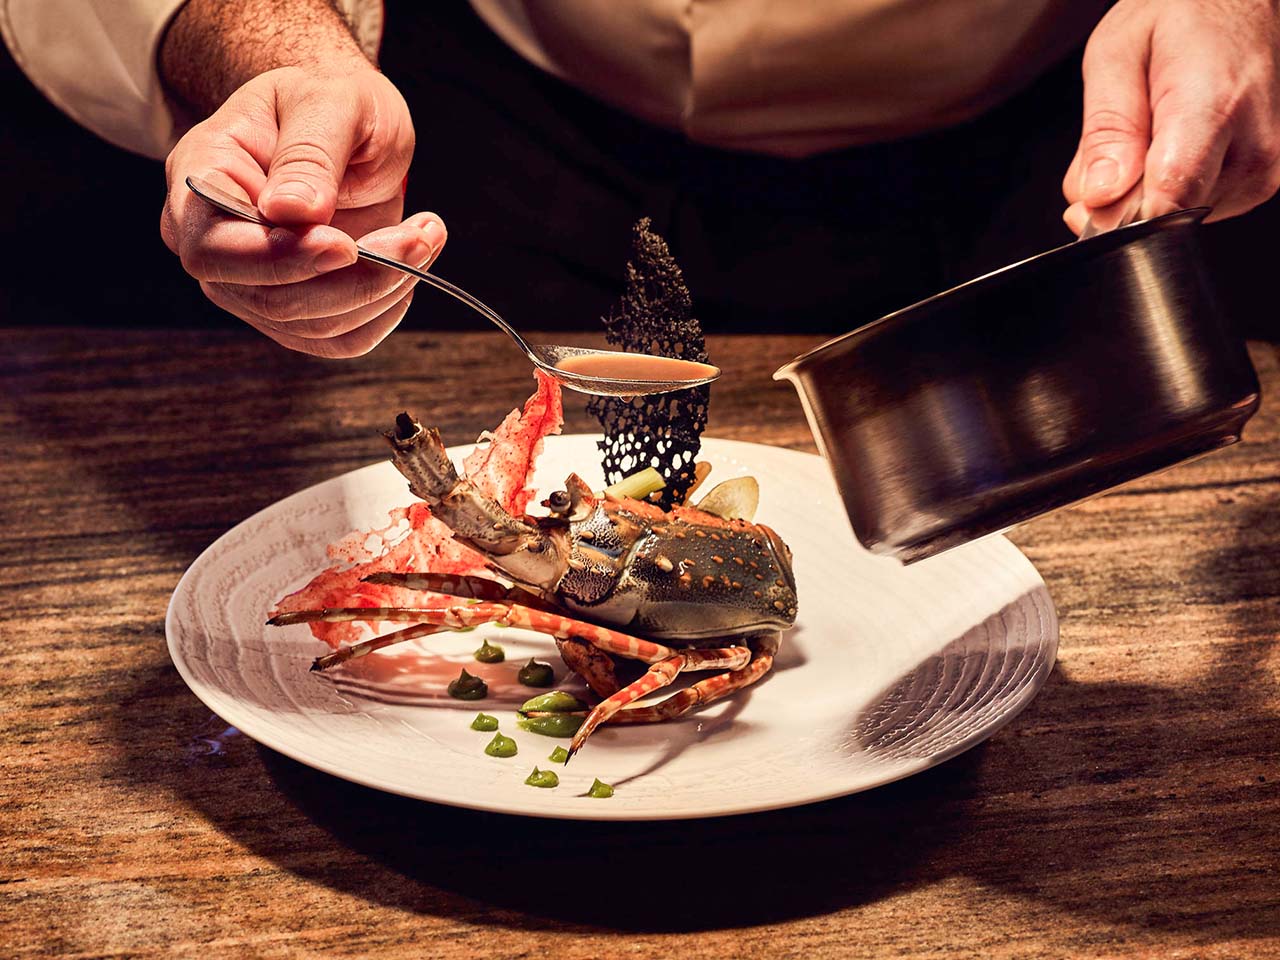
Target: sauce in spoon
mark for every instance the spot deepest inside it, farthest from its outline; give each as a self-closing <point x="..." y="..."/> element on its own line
<point x="636" y="366"/>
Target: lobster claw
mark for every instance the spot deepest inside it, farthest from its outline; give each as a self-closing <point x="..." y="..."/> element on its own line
<point x="524" y="552"/>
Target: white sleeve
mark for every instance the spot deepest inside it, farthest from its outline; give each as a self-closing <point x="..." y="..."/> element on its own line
<point x="97" y="61"/>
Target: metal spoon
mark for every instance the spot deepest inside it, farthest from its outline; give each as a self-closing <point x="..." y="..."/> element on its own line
<point x="547" y="357"/>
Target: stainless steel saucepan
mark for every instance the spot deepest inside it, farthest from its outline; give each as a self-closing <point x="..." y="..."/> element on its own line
<point x="1027" y="389"/>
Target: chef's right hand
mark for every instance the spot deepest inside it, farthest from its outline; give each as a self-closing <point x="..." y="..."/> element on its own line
<point x="325" y="158"/>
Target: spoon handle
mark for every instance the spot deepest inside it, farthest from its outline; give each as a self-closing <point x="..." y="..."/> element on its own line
<point x="454" y="291"/>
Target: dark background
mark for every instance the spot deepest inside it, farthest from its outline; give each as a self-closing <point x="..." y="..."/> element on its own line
<point x="81" y="237"/>
<point x="82" y="244"/>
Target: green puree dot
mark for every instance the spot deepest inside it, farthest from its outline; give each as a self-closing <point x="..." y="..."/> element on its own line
<point x="542" y="778"/>
<point x="559" y="755"/>
<point x="600" y="790"/>
<point x="467" y="687"/>
<point x="484" y="722"/>
<point x="490" y="653"/>
<point x="535" y="673"/>
<point x="501" y="746"/>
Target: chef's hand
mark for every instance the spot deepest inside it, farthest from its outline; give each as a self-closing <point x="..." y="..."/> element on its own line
<point x="1184" y="94"/>
<point x="325" y="157"/>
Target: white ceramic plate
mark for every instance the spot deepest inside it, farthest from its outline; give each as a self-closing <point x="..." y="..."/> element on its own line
<point x="888" y="670"/>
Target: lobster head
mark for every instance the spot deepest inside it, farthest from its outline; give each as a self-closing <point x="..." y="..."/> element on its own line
<point x="685" y="575"/>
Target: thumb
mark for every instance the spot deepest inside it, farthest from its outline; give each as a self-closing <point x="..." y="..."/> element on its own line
<point x="317" y="134"/>
<point x="1116" y="132"/>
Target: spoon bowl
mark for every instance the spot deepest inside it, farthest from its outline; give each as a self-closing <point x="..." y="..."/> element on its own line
<point x="605" y="373"/>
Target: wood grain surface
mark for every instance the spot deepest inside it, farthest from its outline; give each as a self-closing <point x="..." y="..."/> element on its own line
<point x="1132" y="810"/>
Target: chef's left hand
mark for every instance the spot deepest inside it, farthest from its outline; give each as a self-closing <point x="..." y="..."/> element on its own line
<point x="1186" y="95"/>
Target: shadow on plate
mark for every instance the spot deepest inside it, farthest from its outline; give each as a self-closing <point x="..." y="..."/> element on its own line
<point x="972" y="686"/>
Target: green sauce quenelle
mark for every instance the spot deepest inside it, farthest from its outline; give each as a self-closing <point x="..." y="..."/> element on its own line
<point x="490" y="653"/>
<point x="557" y="701"/>
<point x="554" y="714"/>
<point x="542" y="778"/>
<point x="501" y="746"/>
<point x="535" y="673"/>
<point x="484" y="723"/>
<point x="467" y="687"/>
<point x="601" y="791"/>
<point x="563" y="725"/>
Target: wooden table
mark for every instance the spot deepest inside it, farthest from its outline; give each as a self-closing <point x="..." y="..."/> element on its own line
<point x="1133" y="809"/>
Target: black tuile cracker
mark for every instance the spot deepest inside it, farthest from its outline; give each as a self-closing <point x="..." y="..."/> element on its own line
<point x="654" y="316"/>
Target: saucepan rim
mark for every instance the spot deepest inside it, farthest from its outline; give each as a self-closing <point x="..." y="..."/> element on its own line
<point x="1094" y="245"/>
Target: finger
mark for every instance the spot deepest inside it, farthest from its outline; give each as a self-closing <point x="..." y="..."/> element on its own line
<point x="352" y="344"/>
<point x="361" y="221"/>
<point x="319" y="328"/>
<point x="318" y="131"/>
<point x="1192" y="131"/>
<point x="1116" y="129"/>
<point x="219" y="247"/>
<point x="184" y="213"/>
<point x="1243" y="185"/>
<point x="1075" y="217"/>
<point x="417" y="241"/>
<point x="232" y="251"/>
<point x="1250" y="172"/>
<point x="425" y="226"/>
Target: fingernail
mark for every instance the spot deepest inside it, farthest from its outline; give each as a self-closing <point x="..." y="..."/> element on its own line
<point x="433" y="233"/>
<point x="1102" y="173"/>
<point x="331" y="260"/>
<point x="296" y="189"/>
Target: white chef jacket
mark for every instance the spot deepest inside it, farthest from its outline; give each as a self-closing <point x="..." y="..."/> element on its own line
<point x="783" y="77"/>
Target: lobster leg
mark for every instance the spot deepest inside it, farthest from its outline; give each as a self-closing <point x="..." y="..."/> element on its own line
<point x="377" y="643"/>
<point x="666" y="664"/>
<point x="469" y="588"/>
<point x="346" y="614"/>
<point x="477" y="612"/>
<point x="661" y="674"/>
<point x="703" y="692"/>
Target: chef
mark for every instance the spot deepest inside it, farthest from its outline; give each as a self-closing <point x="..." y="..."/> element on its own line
<point x="812" y="164"/>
